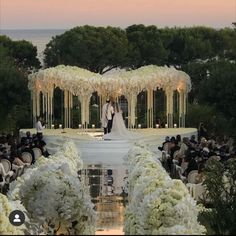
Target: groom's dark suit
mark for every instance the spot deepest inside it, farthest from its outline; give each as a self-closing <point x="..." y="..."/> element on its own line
<point x="109" y="115"/>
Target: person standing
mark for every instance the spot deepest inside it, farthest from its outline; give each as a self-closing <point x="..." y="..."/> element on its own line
<point x="202" y="131"/>
<point x="104" y="120"/>
<point x="109" y="113"/>
<point x="39" y="127"/>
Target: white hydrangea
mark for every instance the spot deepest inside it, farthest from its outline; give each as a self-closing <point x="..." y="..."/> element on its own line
<point x="157" y="204"/>
<point x="6" y="207"/>
<point x="52" y="193"/>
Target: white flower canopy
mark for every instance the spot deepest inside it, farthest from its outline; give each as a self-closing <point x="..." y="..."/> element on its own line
<point x="82" y="83"/>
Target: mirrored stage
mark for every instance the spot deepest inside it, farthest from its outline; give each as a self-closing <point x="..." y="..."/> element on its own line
<point x="107" y="193"/>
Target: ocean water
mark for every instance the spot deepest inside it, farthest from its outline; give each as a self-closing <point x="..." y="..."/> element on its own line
<point x="38" y="37"/>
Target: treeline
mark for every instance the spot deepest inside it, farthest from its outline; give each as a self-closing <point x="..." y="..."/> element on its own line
<point x="206" y="54"/>
<point x="17" y="60"/>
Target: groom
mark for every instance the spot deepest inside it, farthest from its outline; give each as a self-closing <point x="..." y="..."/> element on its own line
<point x="107" y="116"/>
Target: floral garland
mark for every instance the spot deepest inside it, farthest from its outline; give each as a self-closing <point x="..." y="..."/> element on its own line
<point x="54" y="196"/>
<point x="157" y="204"/>
<point x="81" y="81"/>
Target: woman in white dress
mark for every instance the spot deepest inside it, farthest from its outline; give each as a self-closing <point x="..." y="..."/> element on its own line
<point x="119" y="131"/>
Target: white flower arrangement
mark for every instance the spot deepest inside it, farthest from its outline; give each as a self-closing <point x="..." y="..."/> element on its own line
<point x="157" y="204"/>
<point x="53" y="194"/>
<point x="81" y="81"/>
<point x="6" y="207"/>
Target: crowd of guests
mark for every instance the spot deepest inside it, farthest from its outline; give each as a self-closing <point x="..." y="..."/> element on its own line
<point x="193" y="153"/>
<point x="12" y="148"/>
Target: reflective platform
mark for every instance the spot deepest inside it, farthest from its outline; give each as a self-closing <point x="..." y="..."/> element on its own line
<point x="107" y="192"/>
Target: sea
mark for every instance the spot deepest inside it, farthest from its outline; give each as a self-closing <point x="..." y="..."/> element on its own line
<point x="38" y="37"/>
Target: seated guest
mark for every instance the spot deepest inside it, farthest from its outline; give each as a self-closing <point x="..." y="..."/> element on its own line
<point x="15" y="159"/>
<point x="193" y="141"/>
<point x="167" y="140"/>
<point x="28" y="138"/>
<point x="26" y="148"/>
<point x="192" y="164"/>
<point x="178" y="138"/>
<point x="183" y="148"/>
<point x="44" y="149"/>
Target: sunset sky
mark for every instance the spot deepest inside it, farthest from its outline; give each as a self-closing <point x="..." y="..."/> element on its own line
<point x="63" y="14"/>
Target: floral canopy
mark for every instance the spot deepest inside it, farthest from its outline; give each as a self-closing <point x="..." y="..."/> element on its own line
<point x="82" y="83"/>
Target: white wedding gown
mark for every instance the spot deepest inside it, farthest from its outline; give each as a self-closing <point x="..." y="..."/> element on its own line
<point x="119" y="131"/>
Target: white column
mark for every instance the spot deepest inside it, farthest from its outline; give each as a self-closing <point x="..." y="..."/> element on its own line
<point x="169" y="107"/>
<point x="182" y="108"/>
<point x="50" y="108"/>
<point x="129" y="100"/>
<point x="33" y="96"/>
<point x="150" y="108"/>
<point x="46" y="106"/>
<point x="65" y="109"/>
<point x="132" y="109"/>
<point x="38" y="103"/>
<point x="43" y="103"/>
<point x="82" y="102"/>
<point x="70" y="107"/>
<point x="185" y="103"/>
<point x="87" y="102"/>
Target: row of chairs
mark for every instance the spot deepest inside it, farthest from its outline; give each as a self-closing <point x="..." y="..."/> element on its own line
<point x="196" y="190"/>
<point x="6" y="166"/>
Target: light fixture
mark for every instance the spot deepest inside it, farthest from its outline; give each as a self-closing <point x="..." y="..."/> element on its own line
<point x="93" y="126"/>
<point x="166" y="125"/>
<point x="60" y="126"/>
<point x="175" y="125"/>
<point x="80" y="126"/>
<point x="157" y="126"/>
<point x="53" y="127"/>
<point x="139" y="126"/>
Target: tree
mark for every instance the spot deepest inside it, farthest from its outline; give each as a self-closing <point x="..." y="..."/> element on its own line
<point x="17" y="59"/>
<point x="145" y="46"/>
<point x="23" y="52"/>
<point x="219" y="89"/>
<point x="97" y="49"/>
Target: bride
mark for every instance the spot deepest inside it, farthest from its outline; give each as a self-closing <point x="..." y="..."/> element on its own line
<point x="119" y="131"/>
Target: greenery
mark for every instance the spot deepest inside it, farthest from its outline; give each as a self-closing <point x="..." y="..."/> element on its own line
<point x="97" y="49"/>
<point x="221" y="185"/>
<point x="17" y="59"/>
<point x="206" y="54"/>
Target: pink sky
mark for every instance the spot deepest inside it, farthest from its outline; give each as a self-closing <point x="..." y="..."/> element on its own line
<point x="43" y="14"/>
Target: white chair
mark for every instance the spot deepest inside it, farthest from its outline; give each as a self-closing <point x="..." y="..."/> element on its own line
<point x="6" y="164"/>
<point x="166" y="147"/>
<point x="2" y="184"/>
<point x="197" y="191"/>
<point x="5" y="171"/>
<point x="179" y="171"/>
<point x="192" y="176"/>
<point x="27" y="157"/>
<point x="184" y="166"/>
<point x="37" y="152"/>
<point x="18" y="171"/>
<point x="2" y="173"/>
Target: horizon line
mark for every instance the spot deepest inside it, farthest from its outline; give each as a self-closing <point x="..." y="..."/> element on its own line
<point x="158" y="27"/>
